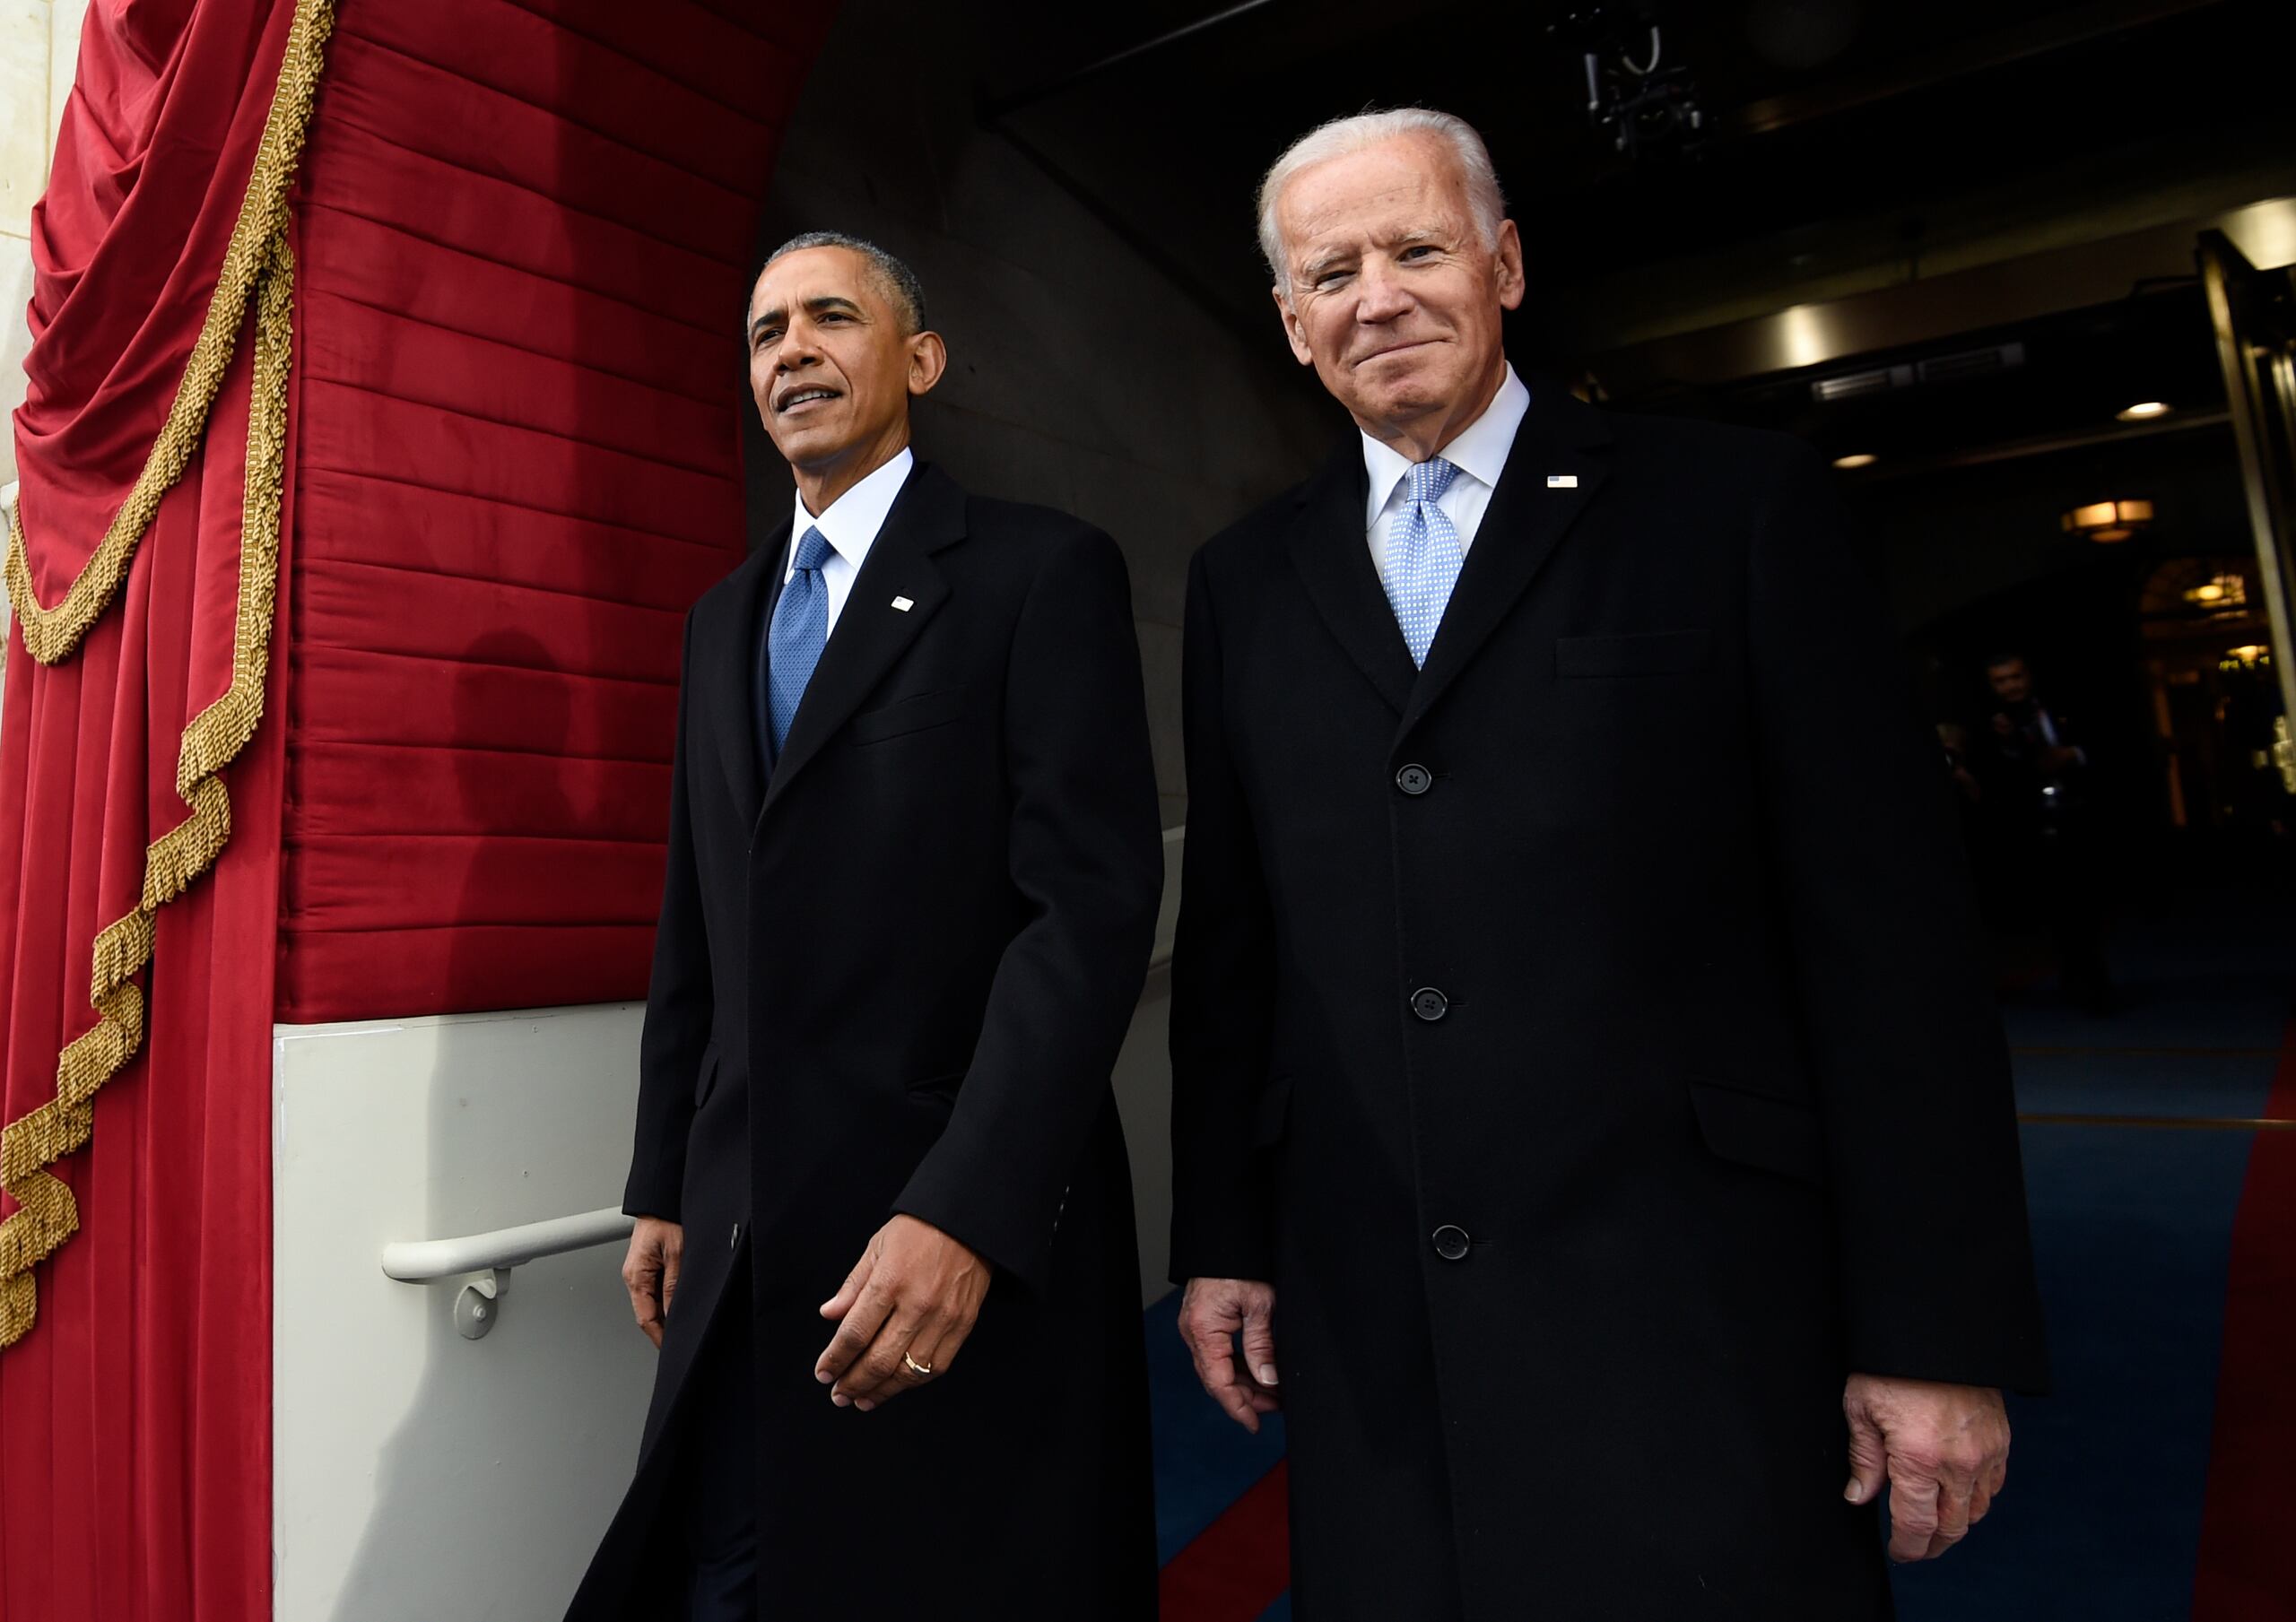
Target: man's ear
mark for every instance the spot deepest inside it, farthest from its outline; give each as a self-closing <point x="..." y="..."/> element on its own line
<point x="928" y="358"/>
<point x="1293" y="332"/>
<point x="1513" y="283"/>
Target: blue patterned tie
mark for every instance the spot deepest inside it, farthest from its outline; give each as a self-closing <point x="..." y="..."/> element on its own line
<point x="1424" y="556"/>
<point x="800" y="631"/>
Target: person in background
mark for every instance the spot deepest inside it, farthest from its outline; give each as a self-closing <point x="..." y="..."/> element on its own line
<point x="2039" y="805"/>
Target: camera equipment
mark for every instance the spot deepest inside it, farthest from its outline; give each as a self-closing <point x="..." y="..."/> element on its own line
<point x="1650" y="108"/>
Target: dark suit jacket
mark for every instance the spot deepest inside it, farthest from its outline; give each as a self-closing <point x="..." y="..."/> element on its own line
<point x="895" y="979"/>
<point x="1586" y="1034"/>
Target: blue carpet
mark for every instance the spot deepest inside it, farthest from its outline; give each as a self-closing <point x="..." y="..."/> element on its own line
<point x="2101" y="1518"/>
<point x="2194" y="1083"/>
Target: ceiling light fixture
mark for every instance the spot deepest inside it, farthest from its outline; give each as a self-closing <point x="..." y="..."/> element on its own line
<point x="2106" y="522"/>
<point x="2144" y="411"/>
<point x="1857" y="459"/>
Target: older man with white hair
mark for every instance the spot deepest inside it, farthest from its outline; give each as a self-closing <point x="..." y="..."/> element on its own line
<point x="1589" y="1113"/>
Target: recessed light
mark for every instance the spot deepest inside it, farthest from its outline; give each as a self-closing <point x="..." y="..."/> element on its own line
<point x="2144" y="411"/>
<point x="1856" y="460"/>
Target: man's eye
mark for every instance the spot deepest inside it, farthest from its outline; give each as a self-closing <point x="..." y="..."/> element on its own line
<point x="1327" y="277"/>
<point x="1414" y="253"/>
<point x="770" y="336"/>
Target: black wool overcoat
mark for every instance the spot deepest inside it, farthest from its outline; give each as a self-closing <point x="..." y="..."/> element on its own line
<point x="1586" y="1034"/>
<point x="893" y="977"/>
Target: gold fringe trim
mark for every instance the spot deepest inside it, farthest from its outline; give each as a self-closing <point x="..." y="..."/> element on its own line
<point x="51" y="634"/>
<point x="260" y="267"/>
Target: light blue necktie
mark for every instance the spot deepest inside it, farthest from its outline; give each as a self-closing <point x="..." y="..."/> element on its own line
<point x="800" y="631"/>
<point x="1424" y="556"/>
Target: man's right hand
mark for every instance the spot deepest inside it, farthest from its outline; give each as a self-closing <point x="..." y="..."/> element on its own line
<point x="650" y="1272"/>
<point x="1213" y="1311"/>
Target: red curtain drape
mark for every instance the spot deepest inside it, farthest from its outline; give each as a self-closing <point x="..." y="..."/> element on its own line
<point x="502" y="464"/>
<point x="139" y="822"/>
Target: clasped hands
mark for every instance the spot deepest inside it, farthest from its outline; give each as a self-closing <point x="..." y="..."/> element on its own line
<point x="903" y="1313"/>
<point x="1942" y="1450"/>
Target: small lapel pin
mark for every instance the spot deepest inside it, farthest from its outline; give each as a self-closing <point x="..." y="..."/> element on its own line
<point x="904" y="604"/>
<point x="1562" y="481"/>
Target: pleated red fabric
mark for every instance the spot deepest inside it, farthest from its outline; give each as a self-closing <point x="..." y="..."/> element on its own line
<point x="135" y="1416"/>
<point x="527" y="236"/>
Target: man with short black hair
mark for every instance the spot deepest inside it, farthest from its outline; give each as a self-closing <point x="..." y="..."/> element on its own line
<point x="914" y="867"/>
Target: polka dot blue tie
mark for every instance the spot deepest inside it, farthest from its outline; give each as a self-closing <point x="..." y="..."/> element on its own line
<point x="799" y="632"/>
<point x="1423" y="556"/>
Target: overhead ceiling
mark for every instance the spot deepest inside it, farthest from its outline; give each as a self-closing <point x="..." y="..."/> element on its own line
<point x="1838" y="130"/>
<point x="1850" y="146"/>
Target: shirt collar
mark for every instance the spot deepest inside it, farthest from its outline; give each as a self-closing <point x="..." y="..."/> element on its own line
<point x="1479" y="450"/>
<point x="851" y="524"/>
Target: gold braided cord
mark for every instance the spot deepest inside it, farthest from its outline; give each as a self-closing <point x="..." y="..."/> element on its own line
<point x="263" y="264"/>
<point x="51" y="634"/>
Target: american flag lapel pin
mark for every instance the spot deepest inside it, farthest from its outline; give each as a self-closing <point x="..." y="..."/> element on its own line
<point x="1562" y="481"/>
<point x="904" y="604"/>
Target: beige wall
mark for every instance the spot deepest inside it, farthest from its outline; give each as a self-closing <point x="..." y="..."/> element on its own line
<point x="40" y="42"/>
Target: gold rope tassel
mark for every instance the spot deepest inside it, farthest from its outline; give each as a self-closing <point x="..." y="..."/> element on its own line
<point x="47" y="1214"/>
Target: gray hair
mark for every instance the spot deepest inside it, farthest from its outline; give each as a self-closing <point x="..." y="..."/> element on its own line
<point x="895" y="279"/>
<point x="1358" y="131"/>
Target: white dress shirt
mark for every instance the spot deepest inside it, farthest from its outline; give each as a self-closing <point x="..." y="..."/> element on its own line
<point x="850" y="527"/>
<point x="1479" y="453"/>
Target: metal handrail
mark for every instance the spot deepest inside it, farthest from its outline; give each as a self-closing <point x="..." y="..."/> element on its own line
<point x="437" y="1260"/>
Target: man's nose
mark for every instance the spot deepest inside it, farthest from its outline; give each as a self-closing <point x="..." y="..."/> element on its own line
<point x="1380" y="294"/>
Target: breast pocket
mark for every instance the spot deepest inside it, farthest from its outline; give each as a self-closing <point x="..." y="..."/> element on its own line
<point x="1642" y="654"/>
<point x="916" y="714"/>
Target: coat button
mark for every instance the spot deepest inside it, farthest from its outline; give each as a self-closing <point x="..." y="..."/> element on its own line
<point x="1429" y="1004"/>
<point x="1415" y="780"/>
<point x="1451" y="1242"/>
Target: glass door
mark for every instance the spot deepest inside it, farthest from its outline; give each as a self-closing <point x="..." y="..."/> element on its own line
<point x="2255" y="313"/>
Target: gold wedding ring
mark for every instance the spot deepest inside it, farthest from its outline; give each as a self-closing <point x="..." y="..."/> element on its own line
<point x="922" y="1371"/>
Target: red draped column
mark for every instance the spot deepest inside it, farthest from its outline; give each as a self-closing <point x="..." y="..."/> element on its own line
<point x="139" y="830"/>
<point x="363" y="490"/>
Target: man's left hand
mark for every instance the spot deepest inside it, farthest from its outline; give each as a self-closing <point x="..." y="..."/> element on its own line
<point x="1943" y="1449"/>
<point x="906" y="1306"/>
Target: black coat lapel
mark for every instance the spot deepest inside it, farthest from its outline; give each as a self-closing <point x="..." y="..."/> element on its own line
<point x="1559" y="437"/>
<point x="871" y="633"/>
<point x="1332" y="556"/>
<point x="731" y="673"/>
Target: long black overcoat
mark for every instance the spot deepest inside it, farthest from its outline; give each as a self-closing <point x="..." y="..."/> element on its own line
<point x="1586" y="1034"/>
<point x="895" y="980"/>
